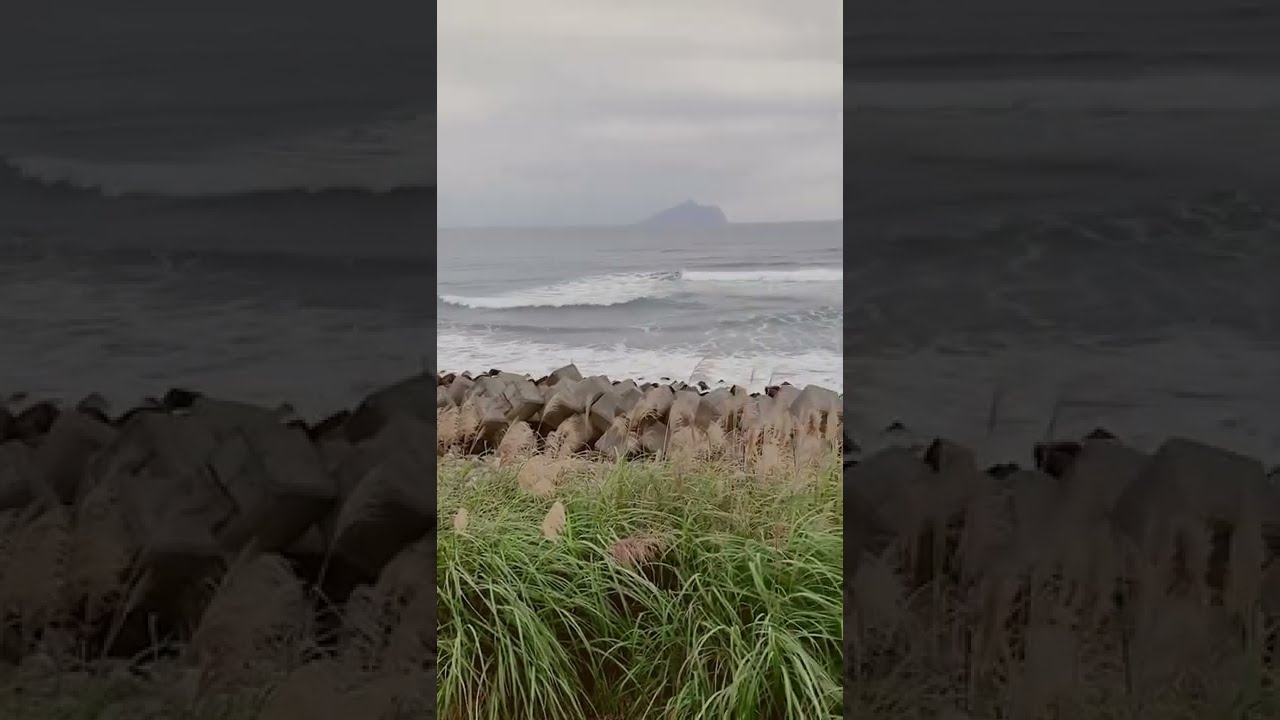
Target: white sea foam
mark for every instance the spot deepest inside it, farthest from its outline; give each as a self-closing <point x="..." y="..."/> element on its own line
<point x="600" y="290"/>
<point x="476" y="352"/>
<point x="763" y="275"/>
<point x="621" y="288"/>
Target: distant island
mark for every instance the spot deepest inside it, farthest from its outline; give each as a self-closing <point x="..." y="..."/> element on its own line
<point x="687" y="214"/>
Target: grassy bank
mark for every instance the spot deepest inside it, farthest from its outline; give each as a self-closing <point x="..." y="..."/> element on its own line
<point x="688" y="588"/>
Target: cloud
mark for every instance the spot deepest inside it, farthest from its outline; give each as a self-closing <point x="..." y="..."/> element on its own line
<point x="580" y="111"/>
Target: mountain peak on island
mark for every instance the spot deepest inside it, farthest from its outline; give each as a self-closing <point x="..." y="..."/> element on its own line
<point x="688" y="214"/>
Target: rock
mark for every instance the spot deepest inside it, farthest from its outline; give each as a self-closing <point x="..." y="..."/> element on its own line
<point x="169" y="498"/>
<point x="956" y="473"/>
<point x="330" y="427"/>
<point x="867" y="530"/>
<point x="493" y="412"/>
<point x="60" y="462"/>
<point x="560" y="406"/>
<point x="628" y="399"/>
<point x="617" y="441"/>
<point x="757" y="412"/>
<point x="1002" y="471"/>
<point x="684" y="409"/>
<point x="173" y="445"/>
<point x="286" y="414"/>
<point x="277" y="481"/>
<point x="602" y="412"/>
<point x="148" y="405"/>
<point x="230" y="417"/>
<point x="413" y="396"/>
<point x="573" y="398"/>
<point x="459" y="389"/>
<point x="816" y="399"/>
<point x="1189" y="486"/>
<point x="404" y="434"/>
<point x="97" y="407"/>
<point x="785" y="395"/>
<point x="16" y="458"/>
<point x="485" y="386"/>
<point x="1101" y="472"/>
<point x="1034" y="497"/>
<point x="1100" y="434"/>
<point x="392" y="506"/>
<point x="568" y="372"/>
<point x="943" y="455"/>
<point x="850" y="449"/>
<point x="653" y="439"/>
<point x="653" y="406"/>
<point x="179" y="398"/>
<point x="714" y="407"/>
<point x="333" y="453"/>
<point x="1056" y="457"/>
<point x="348" y="468"/>
<point x="891" y="481"/>
<point x="34" y="421"/>
<point x="312" y="545"/>
<point x="524" y="397"/>
<point x="6" y="423"/>
<point x="575" y="434"/>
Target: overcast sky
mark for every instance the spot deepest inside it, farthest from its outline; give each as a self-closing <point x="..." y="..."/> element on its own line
<point x="605" y="111"/>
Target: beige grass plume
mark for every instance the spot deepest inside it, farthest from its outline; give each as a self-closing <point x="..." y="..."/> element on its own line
<point x="518" y="443"/>
<point x="447" y="429"/>
<point x="554" y="523"/>
<point x="258" y="617"/>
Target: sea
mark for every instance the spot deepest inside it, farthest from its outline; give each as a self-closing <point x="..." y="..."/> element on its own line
<point x="736" y="304"/>
<point x="1059" y="215"/>
<point x="236" y="198"/>
<point x="1064" y="215"/>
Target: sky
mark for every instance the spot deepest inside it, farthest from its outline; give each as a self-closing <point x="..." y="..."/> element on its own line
<point x="566" y="112"/>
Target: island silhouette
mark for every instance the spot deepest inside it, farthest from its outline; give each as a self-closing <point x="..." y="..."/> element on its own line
<point x="687" y="214"/>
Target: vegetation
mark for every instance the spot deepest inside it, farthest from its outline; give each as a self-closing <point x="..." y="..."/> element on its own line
<point x="1009" y="605"/>
<point x="266" y="645"/>
<point x="700" y="586"/>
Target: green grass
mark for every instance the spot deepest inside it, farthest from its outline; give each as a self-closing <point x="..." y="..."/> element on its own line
<point x="738" y="616"/>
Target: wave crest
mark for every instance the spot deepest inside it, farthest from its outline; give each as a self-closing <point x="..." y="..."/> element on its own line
<point x="625" y="288"/>
<point x="601" y="291"/>
<point x="797" y="275"/>
<point x="378" y="158"/>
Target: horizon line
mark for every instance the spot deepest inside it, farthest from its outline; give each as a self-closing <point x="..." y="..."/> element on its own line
<point x="597" y="226"/>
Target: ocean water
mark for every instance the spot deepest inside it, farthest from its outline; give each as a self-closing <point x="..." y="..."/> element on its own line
<point x="237" y="199"/>
<point x="742" y="303"/>
<point x="1064" y="215"/>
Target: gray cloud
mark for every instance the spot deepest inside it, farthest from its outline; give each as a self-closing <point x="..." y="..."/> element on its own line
<point x="584" y="111"/>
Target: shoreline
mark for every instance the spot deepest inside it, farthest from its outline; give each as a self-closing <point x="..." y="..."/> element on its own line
<point x="187" y="487"/>
<point x="566" y="413"/>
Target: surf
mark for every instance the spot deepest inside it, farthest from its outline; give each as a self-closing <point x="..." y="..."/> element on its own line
<point x="627" y="288"/>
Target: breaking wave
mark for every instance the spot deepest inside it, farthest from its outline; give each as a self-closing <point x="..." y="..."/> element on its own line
<point x="626" y="288"/>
